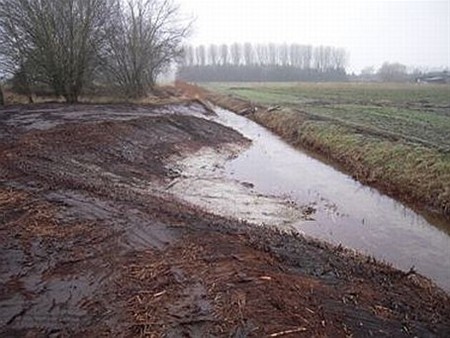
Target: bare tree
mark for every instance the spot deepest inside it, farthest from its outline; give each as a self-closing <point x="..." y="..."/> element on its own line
<point x="392" y="72"/>
<point x="306" y="55"/>
<point x="248" y="54"/>
<point x="22" y="83"/>
<point x="283" y="51"/>
<point x="224" y="54"/>
<point x="236" y="54"/>
<point x="338" y="58"/>
<point x="53" y="41"/>
<point x="295" y="55"/>
<point x="189" y="56"/>
<point x="200" y="53"/>
<point x="213" y="54"/>
<point x="273" y="54"/>
<point x="322" y="58"/>
<point x="262" y="54"/>
<point x="13" y="51"/>
<point x="144" y="38"/>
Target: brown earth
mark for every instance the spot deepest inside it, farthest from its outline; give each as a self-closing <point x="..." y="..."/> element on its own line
<point x="89" y="247"/>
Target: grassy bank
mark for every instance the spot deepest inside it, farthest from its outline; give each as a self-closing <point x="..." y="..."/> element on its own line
<point x="392" y="136"/>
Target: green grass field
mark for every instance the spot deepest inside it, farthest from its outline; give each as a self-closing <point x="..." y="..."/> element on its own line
<point x="394" y="136"/>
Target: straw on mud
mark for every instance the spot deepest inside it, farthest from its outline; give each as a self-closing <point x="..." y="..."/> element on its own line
<point x="283" y="333"/>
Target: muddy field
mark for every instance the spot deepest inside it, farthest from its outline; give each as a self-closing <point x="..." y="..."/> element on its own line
<point x="96" y="241"/>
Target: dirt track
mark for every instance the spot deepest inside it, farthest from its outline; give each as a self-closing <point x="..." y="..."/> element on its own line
<point x="91" y="245"/>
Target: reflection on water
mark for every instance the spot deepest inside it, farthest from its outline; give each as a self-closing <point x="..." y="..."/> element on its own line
<point x="341" y="209"/>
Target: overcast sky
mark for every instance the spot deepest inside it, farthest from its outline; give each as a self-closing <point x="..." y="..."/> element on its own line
<point x="415" y="33"/>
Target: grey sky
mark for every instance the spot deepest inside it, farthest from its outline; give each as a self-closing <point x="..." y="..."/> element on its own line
<point x="415" y="33"/>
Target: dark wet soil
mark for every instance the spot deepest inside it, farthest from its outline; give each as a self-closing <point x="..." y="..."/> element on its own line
<point x="90" y="248"/>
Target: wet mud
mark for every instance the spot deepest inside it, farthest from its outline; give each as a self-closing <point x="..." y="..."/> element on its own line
<point x="203" y="182"/>
<point x="96" y="239"/>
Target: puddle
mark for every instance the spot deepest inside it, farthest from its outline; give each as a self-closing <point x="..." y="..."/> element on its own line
<point x="203" y="183"/>
<point x="340" y="209"/>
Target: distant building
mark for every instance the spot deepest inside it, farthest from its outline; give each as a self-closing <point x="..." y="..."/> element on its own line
<point x="435" y="77"/>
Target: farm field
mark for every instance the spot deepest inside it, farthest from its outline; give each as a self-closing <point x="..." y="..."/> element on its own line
<point x="393" y="136"/>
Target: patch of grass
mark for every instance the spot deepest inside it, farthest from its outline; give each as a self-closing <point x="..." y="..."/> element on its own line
<point x="393" y="136"/>
<point x="413" y="172"/>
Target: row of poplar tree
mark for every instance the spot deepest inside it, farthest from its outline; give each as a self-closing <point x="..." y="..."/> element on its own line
<point x="262" y="62"/>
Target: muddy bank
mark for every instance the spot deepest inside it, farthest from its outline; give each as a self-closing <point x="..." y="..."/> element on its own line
<point x="94" y="241"/>
<point x="203" y="183"/>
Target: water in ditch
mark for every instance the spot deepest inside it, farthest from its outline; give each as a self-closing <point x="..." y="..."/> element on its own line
<point x="343" y="211"/>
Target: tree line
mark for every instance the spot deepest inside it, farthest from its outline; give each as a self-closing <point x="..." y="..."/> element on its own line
<point x="390" y="72"/>
<point x="262" y="62"/>
<point x="67" y="45"/>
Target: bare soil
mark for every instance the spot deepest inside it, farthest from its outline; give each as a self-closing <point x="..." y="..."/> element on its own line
<point x="91" y="246"/>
